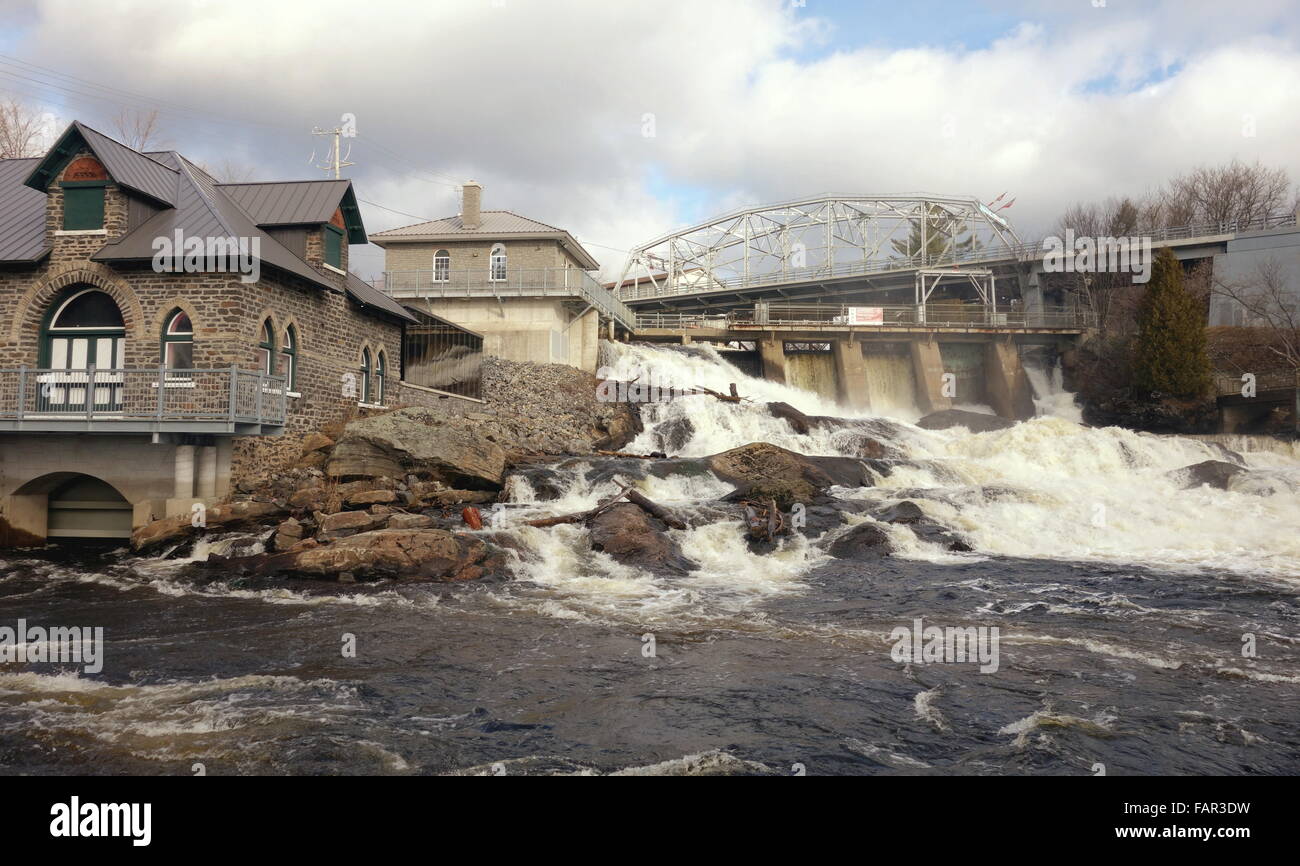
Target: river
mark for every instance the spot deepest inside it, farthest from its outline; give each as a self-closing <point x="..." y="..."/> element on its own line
<point x="1122" y="604"/>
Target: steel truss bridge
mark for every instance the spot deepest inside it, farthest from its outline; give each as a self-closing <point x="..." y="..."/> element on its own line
<point x="873" y="249"/>
<point x="869" y="241"/>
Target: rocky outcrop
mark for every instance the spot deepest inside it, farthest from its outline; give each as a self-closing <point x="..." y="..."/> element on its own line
<point x="224" y="516"/>
<point x="426" y="554"/>
<point x="420" y="442"/>
<point x="975" y="422"/>
<point x="864" y="541"/>
<point x="631" y="536"/>
<point x="763" y="471"/>
<point x="1215" y="473"/>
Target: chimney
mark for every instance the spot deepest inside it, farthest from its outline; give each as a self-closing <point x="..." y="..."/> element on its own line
<point x="472" y="197"/>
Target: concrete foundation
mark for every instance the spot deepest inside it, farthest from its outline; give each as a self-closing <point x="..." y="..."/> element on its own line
<point x="536" y="330"/>
<point x="153" y="479"/>
<point x="850" y="374"/>
<point x="772" y="353"/>
<point x="927" y="367"/>
<point x="1005" y="383"/>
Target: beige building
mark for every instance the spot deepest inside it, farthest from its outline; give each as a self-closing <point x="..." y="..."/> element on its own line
<point x="524" y="285"/>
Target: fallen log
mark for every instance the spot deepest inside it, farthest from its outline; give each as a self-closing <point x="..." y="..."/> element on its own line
<point x="581" y="516"/>
<point x="654" y="509"/>
<point x="653" y="455"/>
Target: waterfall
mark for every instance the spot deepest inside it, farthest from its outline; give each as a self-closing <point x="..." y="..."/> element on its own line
<point x="1045" y="488"/>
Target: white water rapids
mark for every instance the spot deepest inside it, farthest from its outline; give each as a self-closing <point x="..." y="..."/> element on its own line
<point x="1048" y="488"/>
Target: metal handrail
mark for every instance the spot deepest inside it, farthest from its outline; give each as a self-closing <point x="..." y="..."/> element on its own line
<point x="513" y="282"/>
<point x="935" y="315"/>
<point x="143" y="394"/>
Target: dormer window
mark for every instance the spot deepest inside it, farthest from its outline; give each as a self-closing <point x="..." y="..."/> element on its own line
<point x="83" y="205"/>
<point x="333" y="246"/>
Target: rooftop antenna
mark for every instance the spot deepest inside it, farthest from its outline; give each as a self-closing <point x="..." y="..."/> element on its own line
<point x="335" y="162"/>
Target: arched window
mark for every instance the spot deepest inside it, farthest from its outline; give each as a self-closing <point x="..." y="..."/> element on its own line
<point x="266" y="349"/>
<point x="178" y="343"/>
<point x="85" y="330"/>
<point x="289" y="355"/>
<point x="497" y="263"/>
<point x="381" y="368"/>
<point x="441" y="266"/>
<point x="365" y="375"/>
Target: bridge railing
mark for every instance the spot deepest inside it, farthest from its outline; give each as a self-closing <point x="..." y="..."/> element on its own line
<point x="701" y="281"/>
<point x="1226" y="384"/>
<point x="937" y="316"/>
<point x="507" y="283"/>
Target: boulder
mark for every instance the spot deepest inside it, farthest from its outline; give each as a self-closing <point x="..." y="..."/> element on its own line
<point x="864" y="541"/>
<point x="763" y="471"/>
<point x="424" y="554"/>
<point x="421" y="442"/>
<point x="975" y="422"/>
<point x="409" y="521"/>
<point x="372" y="497"/>
<point x="316" y="441"/>
<point x="226" y="515"/>
<point x="346" y="523"/>
<point x="633" y="537"/>
<point x="1215" y="473"/>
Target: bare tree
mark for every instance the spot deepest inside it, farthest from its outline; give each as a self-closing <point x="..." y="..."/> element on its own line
<point x="1235" y="192"/>
<point x="1270" y="306"/>
<point x="139" y="129"/>
<point x="22" y="130"/>
<point x="230" y="171"/>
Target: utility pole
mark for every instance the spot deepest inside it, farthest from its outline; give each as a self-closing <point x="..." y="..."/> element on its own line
<point x="336" y="162"/>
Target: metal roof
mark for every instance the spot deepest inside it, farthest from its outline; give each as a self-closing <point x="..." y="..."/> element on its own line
<point x="367" y="295"/>
<point x="128" y="168"/>
<point x="494" y="224"/>
<point x="295" y="202"/>
<point x="22" y="213"/>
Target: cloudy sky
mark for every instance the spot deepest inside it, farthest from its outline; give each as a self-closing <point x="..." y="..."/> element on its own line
<point x="624" y="120"/>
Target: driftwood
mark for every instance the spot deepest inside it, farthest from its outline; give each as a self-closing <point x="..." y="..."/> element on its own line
<point x="581" y="516"/>
<point x="654" y="455"/>
<point x="732" y="398"/>
<point x="654" y="509"/>
<point x="763" y="520"/>
<point x="642" y="501"/>
<point x="625" y="387"/>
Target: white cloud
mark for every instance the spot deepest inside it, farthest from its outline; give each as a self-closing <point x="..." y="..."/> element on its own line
<point x="543" y="102"/>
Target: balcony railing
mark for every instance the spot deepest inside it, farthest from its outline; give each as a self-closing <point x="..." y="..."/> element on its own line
<point x="513" y="283"/>
<point x="142" y="400"/>
<point x="911" y="316"/>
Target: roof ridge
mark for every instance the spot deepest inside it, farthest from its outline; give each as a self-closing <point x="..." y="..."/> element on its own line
<point x="281" y="182"/>
<point x="129" y="147"/>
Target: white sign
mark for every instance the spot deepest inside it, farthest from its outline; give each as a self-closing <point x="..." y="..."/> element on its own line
<point x="866" y="315"/>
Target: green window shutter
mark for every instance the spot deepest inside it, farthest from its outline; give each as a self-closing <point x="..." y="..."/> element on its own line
<point x="83" y="208"/>
<point x="333" y="246"/>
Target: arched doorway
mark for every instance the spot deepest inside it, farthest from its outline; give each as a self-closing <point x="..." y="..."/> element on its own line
<point x="84" y="329"/>
<point x="85" y="507"/>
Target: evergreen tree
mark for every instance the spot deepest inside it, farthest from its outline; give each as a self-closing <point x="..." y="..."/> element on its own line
<point x="1170" y="355"/>
<point x="940" y="231"/>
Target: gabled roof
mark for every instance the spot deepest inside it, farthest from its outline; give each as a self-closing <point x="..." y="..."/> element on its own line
<point x="128" y="168"/>
<point x="493" y="224"/>
<point x="190" y="201"/>
<point x="22" y="214"/>
<point x="299" y="202"/>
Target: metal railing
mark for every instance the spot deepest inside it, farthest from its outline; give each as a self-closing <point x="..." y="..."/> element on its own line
<point x="513" y="283"/>
<point x="231" y="396"/>
<point x="1225" y="384"/>
<point x="693" y="282"/>
<point x="935" y="315"/>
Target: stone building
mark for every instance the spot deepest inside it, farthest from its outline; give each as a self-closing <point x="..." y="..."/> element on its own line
<point x="524" y="285"/>
<point x="166" y="334"/>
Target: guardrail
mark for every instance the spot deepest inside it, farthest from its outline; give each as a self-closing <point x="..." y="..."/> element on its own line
<point x="693" y="282"/>
<point x="162" y="396"/>
<point x="513" y="283"/>
<point x="963" y="316"/>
